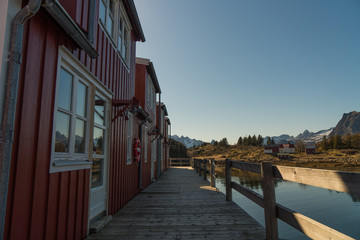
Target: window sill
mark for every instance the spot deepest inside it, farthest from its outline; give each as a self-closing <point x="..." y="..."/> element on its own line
<point x="63" y="163"/>
<point x="69" y="165"/>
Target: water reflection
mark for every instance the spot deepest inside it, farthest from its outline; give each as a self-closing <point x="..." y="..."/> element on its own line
<point x="337" y="210"/>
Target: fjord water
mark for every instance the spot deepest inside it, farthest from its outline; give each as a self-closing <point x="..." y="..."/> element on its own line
<point x="338" y="210"/>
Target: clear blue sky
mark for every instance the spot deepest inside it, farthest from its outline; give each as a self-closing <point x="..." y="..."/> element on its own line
<point x="230" y="68"/>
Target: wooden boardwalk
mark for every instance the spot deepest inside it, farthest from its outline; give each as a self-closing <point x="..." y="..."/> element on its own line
<point x="181" y="205"/>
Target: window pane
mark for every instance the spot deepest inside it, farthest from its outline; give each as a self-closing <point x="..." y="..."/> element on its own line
<point x="109" y="25"/>
<point x="97" y="172"/>
<point x="62" y="132"/>
<point x="80" y="136"/>
<point x="65" y="90"/>
<point x="98" y="141"/>
<point x="81" y="100"/>
<point x="119" y="43"/>
<point x="102" y="11"/>
<point x="99" y="111"/>
<point x="111" y="8"/>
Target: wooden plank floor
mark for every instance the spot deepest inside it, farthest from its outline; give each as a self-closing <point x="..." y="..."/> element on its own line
<point x="181" y="205"/>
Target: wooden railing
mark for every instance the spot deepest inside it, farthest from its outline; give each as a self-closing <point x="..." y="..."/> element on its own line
<point x="334" y="180"/>
<point x="201" y="166"/>
<point x="180" y="161"/>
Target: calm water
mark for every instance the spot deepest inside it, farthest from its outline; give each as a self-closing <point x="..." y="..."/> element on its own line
<point x="337" y="210"/>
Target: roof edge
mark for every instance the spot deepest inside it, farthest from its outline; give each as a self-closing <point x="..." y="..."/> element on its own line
<point x="135" y="18"/>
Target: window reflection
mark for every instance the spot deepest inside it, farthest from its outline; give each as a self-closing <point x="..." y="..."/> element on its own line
<point x="81" y="100"/>
<point x="99" y="111"/>
<point x="98" y="141"/>
<point x="80" y="136"/>
<point x="102" y="11"/>
<point x="97" y="172"/>
<point x="65" y="90"/>
<point x="62" y="132"/>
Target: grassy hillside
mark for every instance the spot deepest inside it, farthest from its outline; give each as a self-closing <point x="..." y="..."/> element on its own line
<point x="344" y="159"/>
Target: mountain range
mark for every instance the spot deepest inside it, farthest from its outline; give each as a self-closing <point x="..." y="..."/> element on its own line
<point x="348" y="124"/>
<point x="188" y="142"/>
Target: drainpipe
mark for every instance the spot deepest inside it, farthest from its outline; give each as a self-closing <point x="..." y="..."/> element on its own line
<point x="11" y="90"/>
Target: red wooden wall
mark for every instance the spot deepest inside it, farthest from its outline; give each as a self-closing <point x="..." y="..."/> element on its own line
<point x="55" y="206"/>
<point x="141" y="92"/>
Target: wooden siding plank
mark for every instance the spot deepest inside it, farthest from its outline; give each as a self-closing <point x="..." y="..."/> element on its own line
<point x="52" y="207"/>
<point x="85" y="15"/>
<point x="72" y="204"/>
<point x="41" y="182"/>
<point x="79" y="12"/>
<point x="79" y="203"/>
<point x="85" y="205"/>
<point x="63" y="205"/>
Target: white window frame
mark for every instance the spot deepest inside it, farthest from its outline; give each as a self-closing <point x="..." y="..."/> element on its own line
<point x="109" y="16"/>
<point x="124" y="47"/>
<point x="129" y="138"/>
<point x="69" y="161"/>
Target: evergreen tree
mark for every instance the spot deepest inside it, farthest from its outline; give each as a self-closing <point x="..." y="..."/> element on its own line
<point x="245" y="141"/>
<point x="224" y="142"/>
<point x="324" y="144"/>
<point x="331" y="142"/>
<point x="355" y="141"/>
<point x="249" y="140"/>
<point x="253" y="140"/>
<point x="240" y="141"/>
<point x="268" y="141"/>
<point x="260" y="140"/>
<point x="337" y="142"/>
<point x="272" y="141"/>
<point x="347" y="141"/>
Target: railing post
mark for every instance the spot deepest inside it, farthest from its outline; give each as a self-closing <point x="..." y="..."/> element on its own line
<point x="269" y="201"/>
<point x="205" y="171"/>
<point x="199" y="164"/>
<point x="228" y="179"/>
<point x="212" y="172"/>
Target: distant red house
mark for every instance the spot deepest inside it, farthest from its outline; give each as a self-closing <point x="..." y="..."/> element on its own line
<point x="270" y="149"/>
<point x="279" y="148"/>
<point x="162" y="141"/>
<point x="310" y="149"/>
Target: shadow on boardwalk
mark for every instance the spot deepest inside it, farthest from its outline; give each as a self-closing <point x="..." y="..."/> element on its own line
<point x="181" y="205"/>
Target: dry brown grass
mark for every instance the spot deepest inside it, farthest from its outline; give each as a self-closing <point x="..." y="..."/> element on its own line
<point x="344" y="159"/>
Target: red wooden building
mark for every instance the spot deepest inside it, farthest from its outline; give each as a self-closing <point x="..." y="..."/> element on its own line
<point x="163" y="147"/>
<point x="147" y="86"/>
<point x="71" y="160"/>
<point x="279" y="148"/>
<point x="310" y="149"/>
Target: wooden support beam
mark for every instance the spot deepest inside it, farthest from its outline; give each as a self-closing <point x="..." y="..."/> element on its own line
<point x="269" y="201"/>
<point x="228" y="179"/>
<point x="212" y="172"/>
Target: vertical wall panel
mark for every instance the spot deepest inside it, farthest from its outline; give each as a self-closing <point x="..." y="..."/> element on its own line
<point x="38" y="219"/>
